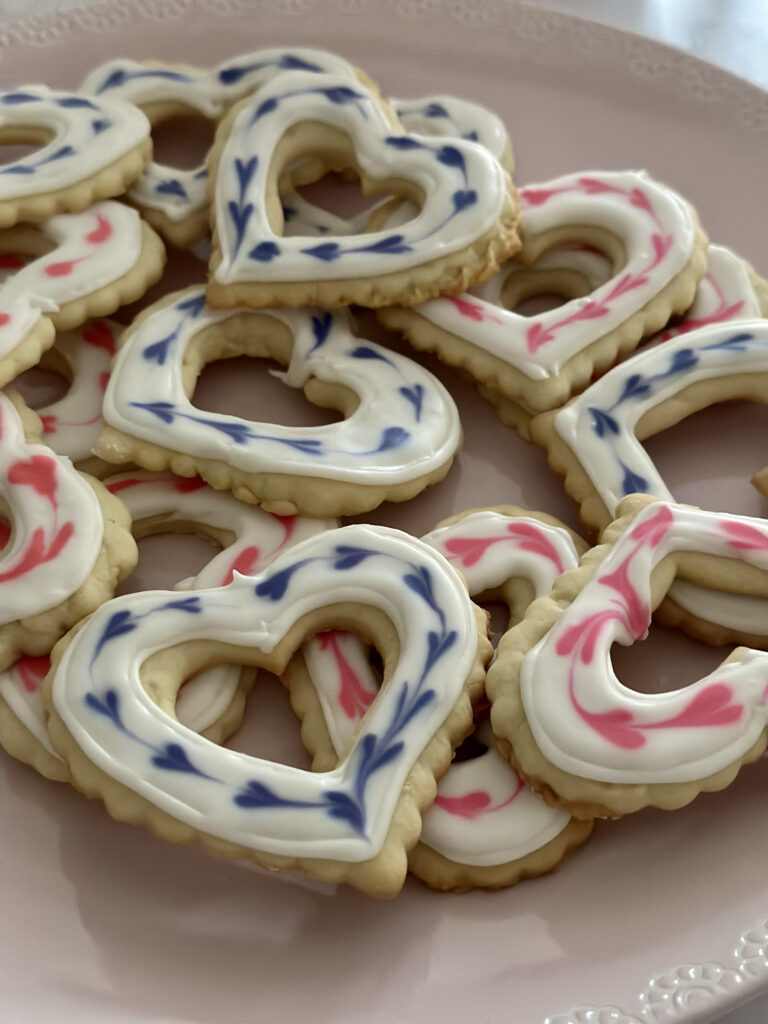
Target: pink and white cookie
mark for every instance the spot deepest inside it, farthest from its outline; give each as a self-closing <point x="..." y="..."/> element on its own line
<point x="213" y="702"/>
<point x="68" y="542"/>
<point x="83" y="265"/>
<point x="354" y="823"/>
<point x="486" y="828"/>
<point x="564" y="719"/>
<point x="658" y="252"/>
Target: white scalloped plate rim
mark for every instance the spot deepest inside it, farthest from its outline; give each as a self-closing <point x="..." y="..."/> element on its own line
<point x="688" y="993"/>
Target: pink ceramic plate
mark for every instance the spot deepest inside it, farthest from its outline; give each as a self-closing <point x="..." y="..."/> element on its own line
<point x="661" y="918"/>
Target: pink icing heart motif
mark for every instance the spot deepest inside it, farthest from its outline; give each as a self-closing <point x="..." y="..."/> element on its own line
<point x="649" y="746"/>
<point x="39" y="472"/>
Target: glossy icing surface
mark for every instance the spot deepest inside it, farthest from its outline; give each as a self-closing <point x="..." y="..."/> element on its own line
<point x="405" y="425"/>
<point x="175" y="192"/>
<point x="260" y="804"/>
<point x="90" y="250"/>
<point x="56" y="524"/>
<point x="86" y="135"/>
<point x="483" y="814"/>
<point x="464" y="187"/>
<point x="587" y="723"/>
<point x="599" y="427"/>
<point x="656" y="229"/>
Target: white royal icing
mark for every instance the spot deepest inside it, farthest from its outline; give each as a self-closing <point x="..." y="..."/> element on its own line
<point x="653" y="223"/>
<point x="342" y="814"/>
<point x="56" y="524"/>
<point x="599" y="427"/>
<point x="441" y="117"/>
<point x="405" y="425"/>
<point x="181" y="194"/>
<point x="483" y="815"/>
<point x="257" y="538"/>
<point x="72" y="424"/>
<point x="87" y="135"/>
<point x="587" y="723"/>
<point x="91" y="250"/>
<point x="464" y="187"/>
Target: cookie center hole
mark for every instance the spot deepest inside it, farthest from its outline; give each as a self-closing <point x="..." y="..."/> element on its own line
<point x="183" y="140"/>
<point x="339" y="195"/>
<point x="269" y="728"/>
<point x="167" y="558"/>
<point x="557" y="277"/>
<point x="245" y="387"/>
<point x="705" y="461"/>
<point x="666" y="660"/>
<point x="499" y="619"/>
<point x="41" y="387"/>
<point x="12" y="151"/>
<point x="470" y="749"/>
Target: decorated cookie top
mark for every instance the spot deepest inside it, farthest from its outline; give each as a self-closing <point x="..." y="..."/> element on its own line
<point x="452" y="117"/>
<point x="654" y="225"/>
<point x="405" y="424"/>
<point x="56" y="524"/>
<point x="174" y="192"/>
<point x="586" y="722"/>
<point x="343" y="814"/>
<point x="483" y="814"/>
<point x="86" y="135"/>
<point x="464" y="188"/>
<point x="90" y="250"/>
<point x="599" y="425"/>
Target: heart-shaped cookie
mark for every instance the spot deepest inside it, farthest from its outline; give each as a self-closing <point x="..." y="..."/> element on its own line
<point x="466" y="220"/>
<point x="561" y="713"/>
<point x="658" y="251"/>
<point x="400" y="433"/>
<point x="175" y="200"/>
<point x="112" y="679"/>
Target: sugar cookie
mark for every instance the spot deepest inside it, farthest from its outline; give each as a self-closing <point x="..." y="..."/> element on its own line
<point x="400" y="435"/>
<point x="658" y="250"/>
<point x="466" y="224"/>
<point x="90" y="149"/>
<point x="564" y="719"/>
<point x="594" y="442"/>
<point x="85" y="264"/>
<point x="485" y="828"/>
<point x="175" y="200"/>
<point x="112" y="678"/>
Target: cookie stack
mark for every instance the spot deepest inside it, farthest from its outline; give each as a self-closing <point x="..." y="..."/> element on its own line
<point x="130" y="699"/>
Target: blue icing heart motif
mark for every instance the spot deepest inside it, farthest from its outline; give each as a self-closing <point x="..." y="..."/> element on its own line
<point x="468" y="199"/>
<point x="263" y="807"/>
<point x="178" y="198"/>
<point x="403" y="427"/>
<point x="599" y="424"/>
<point x="86" y="136"/>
